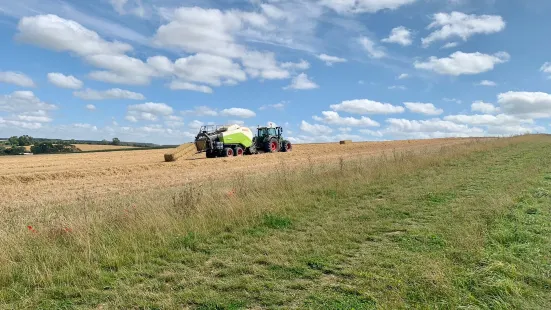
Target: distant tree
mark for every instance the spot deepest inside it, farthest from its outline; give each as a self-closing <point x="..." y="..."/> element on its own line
<point x="73" y="141"/>
<point x="104" y="141"/>
<point x="25" y="140"/>
<point x="116" y="141"/>
<point x="14" y="140"/>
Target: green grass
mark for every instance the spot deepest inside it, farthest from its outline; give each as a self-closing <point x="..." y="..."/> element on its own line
<point x="463" y="227"/>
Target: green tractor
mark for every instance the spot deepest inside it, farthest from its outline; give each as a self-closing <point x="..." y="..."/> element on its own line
<point x="270" y="140"/>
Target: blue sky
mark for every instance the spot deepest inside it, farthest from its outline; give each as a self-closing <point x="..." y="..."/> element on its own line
<point x="326" y="70"/>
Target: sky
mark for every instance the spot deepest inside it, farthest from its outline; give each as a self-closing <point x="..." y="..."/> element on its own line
<point x="325" y="70"/>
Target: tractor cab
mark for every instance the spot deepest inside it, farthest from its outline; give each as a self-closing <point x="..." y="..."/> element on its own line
<point x="264" y="132"/>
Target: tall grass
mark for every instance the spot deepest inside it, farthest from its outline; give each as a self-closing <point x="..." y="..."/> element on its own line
<point x="68" y="245"/>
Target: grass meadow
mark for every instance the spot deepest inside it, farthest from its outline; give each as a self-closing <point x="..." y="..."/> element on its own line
<point x="458" y="227"/>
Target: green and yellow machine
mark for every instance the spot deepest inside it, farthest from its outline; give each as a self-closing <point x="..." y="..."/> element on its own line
<point x="235" y="140"/>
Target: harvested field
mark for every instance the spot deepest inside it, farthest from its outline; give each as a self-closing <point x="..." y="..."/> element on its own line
<point x="94" y="147"/>
<point x="65" y="178"/>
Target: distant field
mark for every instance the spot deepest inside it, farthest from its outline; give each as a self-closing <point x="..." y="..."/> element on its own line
<point x="435" y="224"/>
<point x="94" y="147"/>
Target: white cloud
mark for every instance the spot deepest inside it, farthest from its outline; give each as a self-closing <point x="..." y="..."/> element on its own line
<point x="198" y="30"/>
<point x="333" y="118"/>
<point x="16" y="78"/>
<point x="453" y="100"/>
<point x="148" y="111"/>
<point x="115" y="78"/>
<point x="179" y="85"/>
<point x="39" y="116"/>
<point x="195" y="124"/>
<point x="208" y="69"/>
<point x="345" y="129"/>
<point x="238" y="112"/>
<point x="546" y="68"/>
<point x="526" y="104"/>
<point x="301" y="65"/>
<point x="58" y="34"/>
<point x="64" y="81"/>
<point x="457" y="24"/>
<point x="364" y="6"/>
<point x="450" y="45"/>
<point x="276" y="106"/>
<point x="302" y="82"/>
<point x="398" y="87"/>
<point x="372" y="49"/>
<point x="403" y="76"/>
<point x="90" y="107"/>
<point x="201" y="111"/>
<point x="423" y="108"/>
<point x="114" y="93"/>
<point x="374" y="133"/>
<point x="366" y="106"/>
<point x="265" y="66"/>
<point x="460" y="63"/>
<point x="315" y="129"/>
<point x="430" y="126"/>
<point x="487" y="83"/>
<point x="23" y="101"/>
<point x="487" y="120"/>
<point x="488" y="108"/>
<point x="400" y="35"/>
<point x="330" y="60"/>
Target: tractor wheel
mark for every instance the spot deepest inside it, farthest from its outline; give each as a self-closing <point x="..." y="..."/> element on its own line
<point x="272" y="146"/>
<point x="287" y="146"/>
<point x="211" y="154"/>
<point x="239" y="151"/>
<point x="227" y="152"/>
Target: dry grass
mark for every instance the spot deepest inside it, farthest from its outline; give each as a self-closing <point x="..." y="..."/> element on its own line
<point x="56" y="179"/>
<point x="362" y="234"/>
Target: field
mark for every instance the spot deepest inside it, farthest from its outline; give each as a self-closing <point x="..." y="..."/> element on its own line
<point x="94" y="147"/>
<point x="445" y="223"/>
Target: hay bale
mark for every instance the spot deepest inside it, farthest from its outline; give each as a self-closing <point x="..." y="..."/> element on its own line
<point x="182" y="150"/>
<point x="346" y="141"/>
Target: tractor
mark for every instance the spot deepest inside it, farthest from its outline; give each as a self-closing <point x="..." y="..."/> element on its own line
<point x="234" y="140"/>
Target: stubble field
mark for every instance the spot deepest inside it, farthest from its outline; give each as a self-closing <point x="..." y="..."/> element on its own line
<point x="65" y="178"/>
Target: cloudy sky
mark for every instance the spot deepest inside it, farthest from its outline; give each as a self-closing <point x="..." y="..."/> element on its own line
<point x="156" y="70"/>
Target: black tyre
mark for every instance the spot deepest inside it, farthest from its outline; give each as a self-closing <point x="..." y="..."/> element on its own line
<point x="211" y="154"/>
<point x="272" y="146"/>
<point x="239" y="151"/>
<point x="228" y="152"/>
<point x="287" y="146"/>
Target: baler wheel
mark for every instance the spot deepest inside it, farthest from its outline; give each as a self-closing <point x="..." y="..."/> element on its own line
<point x="239" y="151"/>
<point x="228" y="152"/>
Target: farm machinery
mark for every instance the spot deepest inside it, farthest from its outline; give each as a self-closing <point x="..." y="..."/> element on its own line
<point x="235" y="140"/>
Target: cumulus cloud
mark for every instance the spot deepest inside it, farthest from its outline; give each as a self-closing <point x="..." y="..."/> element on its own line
<point x="238" y="112"/>
<point x="64" y="81"/>
<point x="23" y="101"/>
<point x="90" y="107"/>
<point x="487" y="83"/>
<point x="330" y="60"/>
<point x="16" y="78"/>
<point x="149" y="111"/>
<point x="400" y="35"/>
<point x="371" y="48"/>
<point x="302" y="82"/>
<point x="333" y="118"/>
<point x="487" y="108"/>
<point x="201" y="111"/>
<point x="208" y="69"/>
<point x="265" y="66"/>
<point x="315" y="129"/>
<point x="457" y="24"/>
<point x="39" y="116"/>
<point x="487" y="120"/>
<point x="116" y="78"/>
<point x="364" y="6"/>
<point x="114" y="93"/>
<point x="276" y="106"/>
<point x="58" y="34"/>
<point x="460" y="63"/>
<point x="398" y="87"/>
<point x="430" y="127"/>
<point x="403" y="76"/>
<point x="450" y="45"/>
<point x="179" y="85"/>
<point x="423" y="108"/>
<point x="526" y="104"/>
<point x="366" y="106"/>
<point x="301" y="65"/>
<point x="546" y="68"/>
